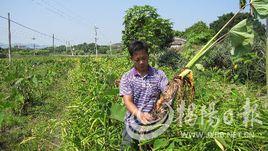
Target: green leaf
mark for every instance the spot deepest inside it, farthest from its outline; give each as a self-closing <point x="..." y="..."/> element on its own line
<point x="27" y="140"/>
<point x="18" y="81"/>
<point x="242" y="36"/>
<point x="160" y="143"/>
<point x="223" y="142"/>
<point x="200" y="67"/>
<point x="5" y="105"/>
<point x="34" y="80"/>
<point x="1" y="118"/>
<point x="171" y="146"/>
<point x="219" y="144"/>
<point x="260" y="7"/>
<point x="111" y="91"/>
<point x="1" y="96"/>
<point x="118" y="112"/>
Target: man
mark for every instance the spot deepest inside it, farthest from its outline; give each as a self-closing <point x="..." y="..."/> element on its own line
<point x="140" y="88"/>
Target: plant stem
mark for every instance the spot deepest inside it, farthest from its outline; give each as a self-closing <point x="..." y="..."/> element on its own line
<point x="185" y="72"/>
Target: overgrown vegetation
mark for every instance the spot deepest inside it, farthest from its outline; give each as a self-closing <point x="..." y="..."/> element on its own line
<point x="32" y="92"/>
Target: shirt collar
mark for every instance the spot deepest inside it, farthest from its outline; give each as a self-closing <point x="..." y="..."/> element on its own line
<point x="136" y="73"/>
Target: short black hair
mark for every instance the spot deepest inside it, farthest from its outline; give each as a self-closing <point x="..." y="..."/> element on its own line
<point x="137" y="45"/>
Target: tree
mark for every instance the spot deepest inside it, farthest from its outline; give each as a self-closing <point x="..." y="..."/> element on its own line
<point x="143" y="23"/>
<point x="86" y="48"/>
<point x="199" y="33"/>
<point x="178" y="33"/>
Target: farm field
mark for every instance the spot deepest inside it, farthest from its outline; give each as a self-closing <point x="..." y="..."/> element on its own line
<point x="65" y="103"/>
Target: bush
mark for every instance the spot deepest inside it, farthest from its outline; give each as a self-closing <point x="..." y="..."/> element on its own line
<point x="171" y="59"/>
<point x="219" y="56"/>
<point x="2" y="55"/>
<point x="250" y="66"/>
<point x="247" y="66"/>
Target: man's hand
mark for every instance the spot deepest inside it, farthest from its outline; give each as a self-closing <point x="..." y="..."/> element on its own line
<point x="144" y="117"/>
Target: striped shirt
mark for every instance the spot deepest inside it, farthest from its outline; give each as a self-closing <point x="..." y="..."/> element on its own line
<point x="144" y="90"/>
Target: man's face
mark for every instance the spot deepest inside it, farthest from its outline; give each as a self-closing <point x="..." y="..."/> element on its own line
<point x="140" y="60"/>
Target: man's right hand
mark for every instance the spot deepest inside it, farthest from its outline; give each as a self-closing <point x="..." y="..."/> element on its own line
<point x="144" y="117"/>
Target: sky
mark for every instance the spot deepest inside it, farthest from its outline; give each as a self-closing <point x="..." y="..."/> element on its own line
<point x="74" y="20"/>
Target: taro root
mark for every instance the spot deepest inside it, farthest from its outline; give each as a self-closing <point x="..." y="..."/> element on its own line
<point x="178" y="88"/>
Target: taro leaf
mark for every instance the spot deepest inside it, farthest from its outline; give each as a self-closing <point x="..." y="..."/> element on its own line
<point x="118" y="112"/>
<point x="242" y="36"/>
<point x="242" y="3"/>
<point x="260" y="7"/>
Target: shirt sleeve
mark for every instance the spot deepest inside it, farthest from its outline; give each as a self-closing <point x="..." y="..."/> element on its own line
<point x="163" y="81"/>
<point x="125" y="86"/>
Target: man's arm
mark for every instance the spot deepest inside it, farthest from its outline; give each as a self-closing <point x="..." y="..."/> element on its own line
<point x="131" y="107"/>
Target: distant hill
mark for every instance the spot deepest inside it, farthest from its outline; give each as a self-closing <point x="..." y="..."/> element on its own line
<point x="23" y="46"/>
<point x="116" y="45"/>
